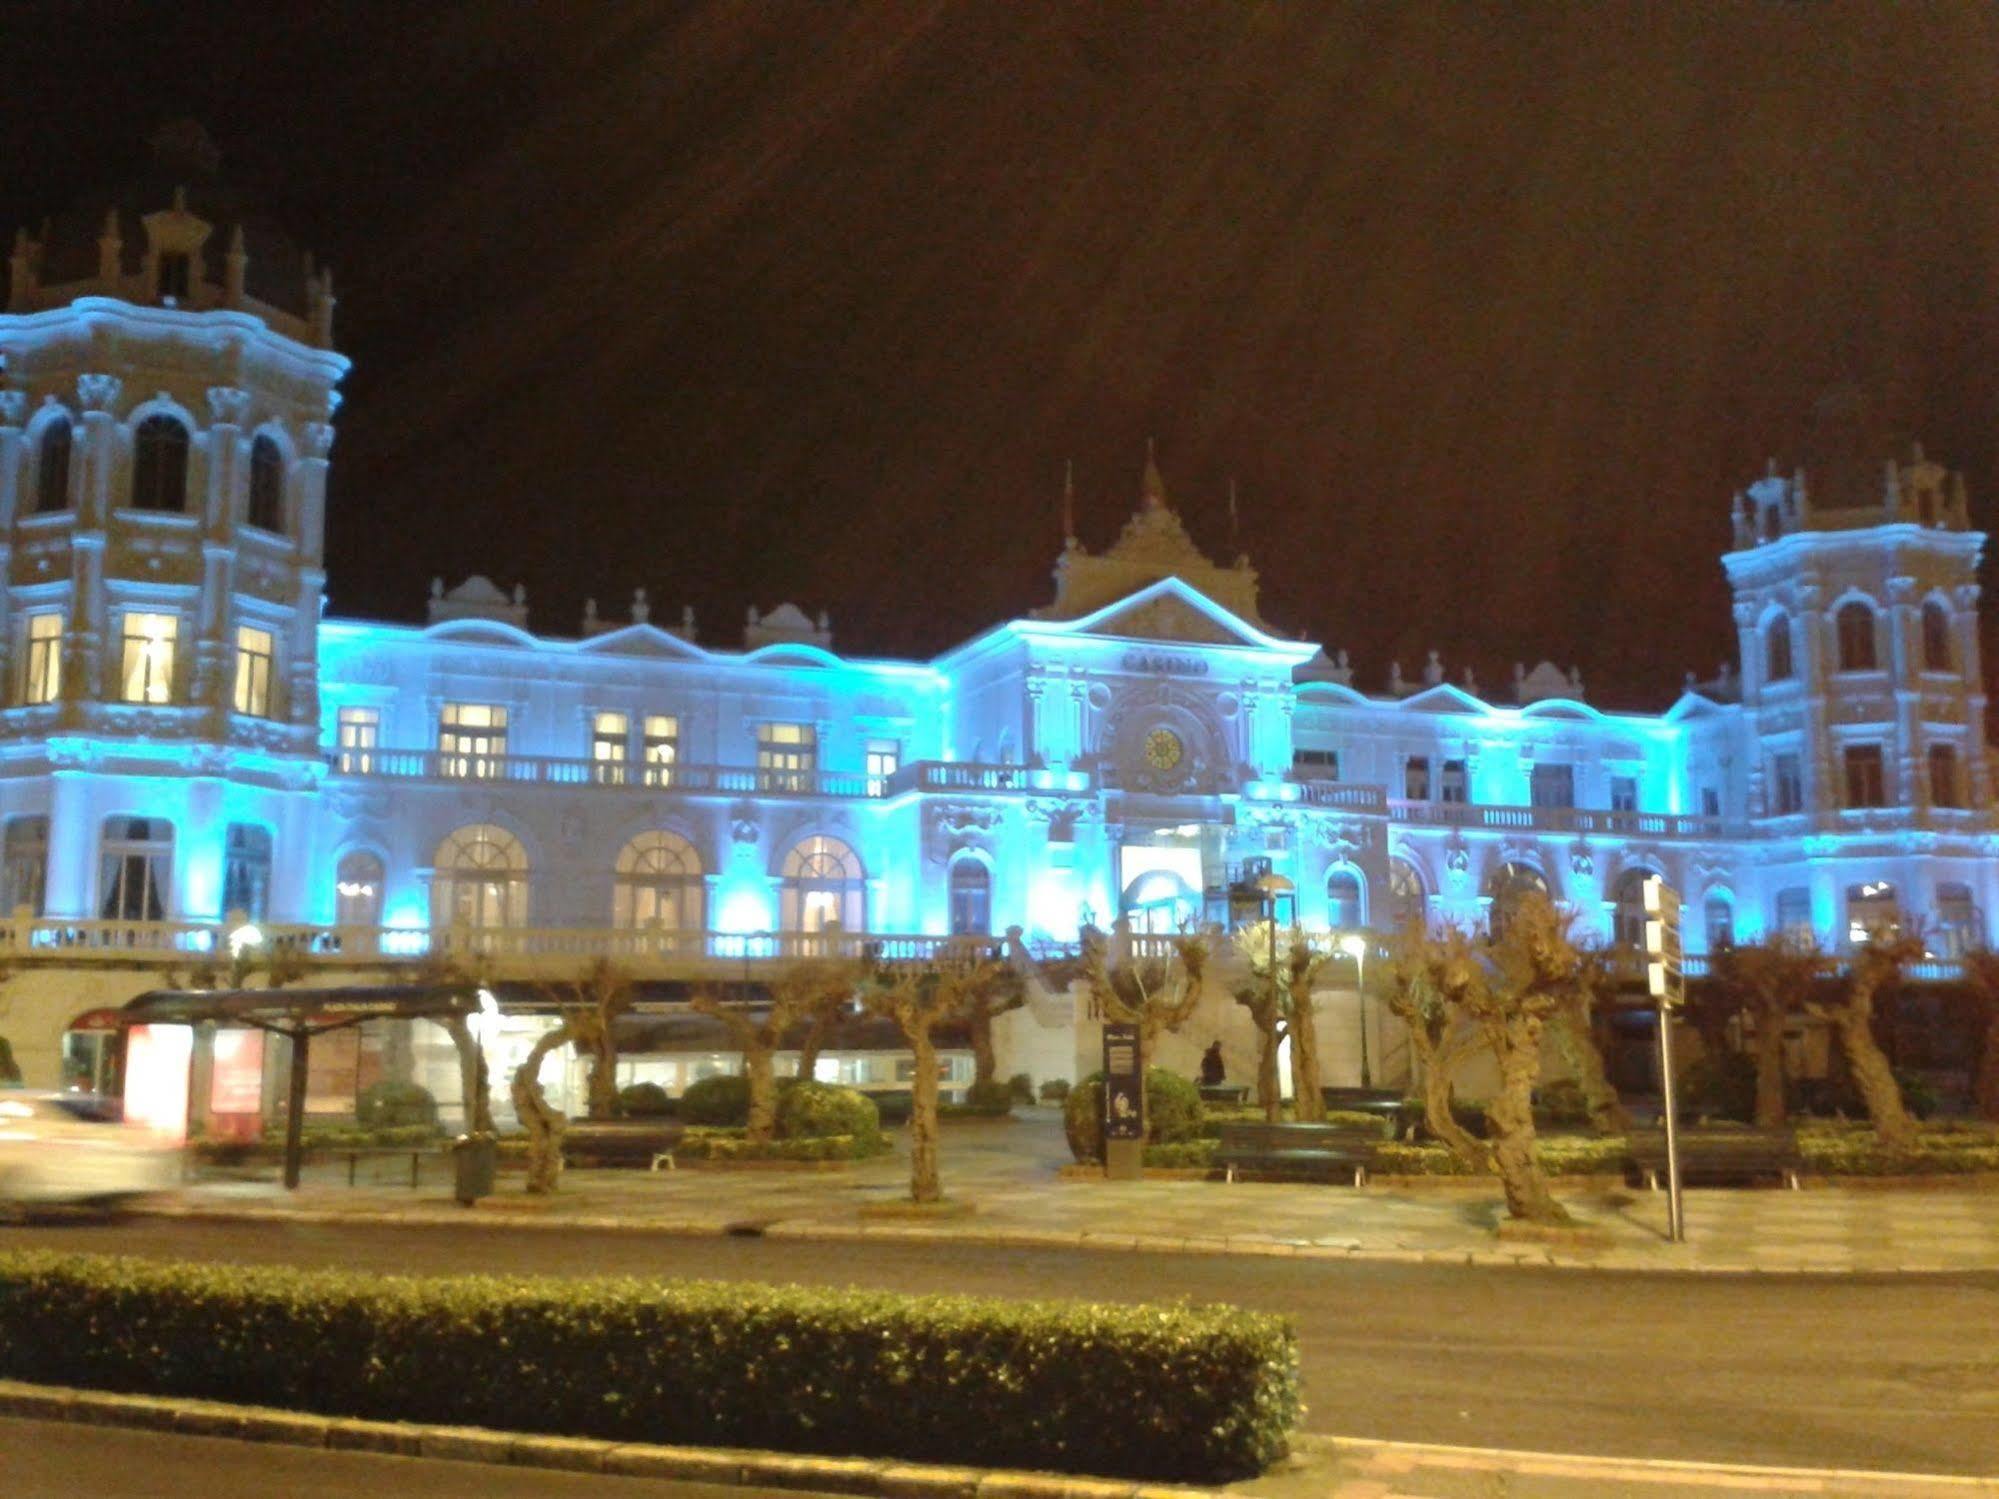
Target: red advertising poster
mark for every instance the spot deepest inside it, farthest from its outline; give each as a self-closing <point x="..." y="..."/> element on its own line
<point x="236" y="1085"/>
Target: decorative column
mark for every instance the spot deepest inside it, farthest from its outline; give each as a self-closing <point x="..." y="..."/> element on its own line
<point x="1911" y="787"/>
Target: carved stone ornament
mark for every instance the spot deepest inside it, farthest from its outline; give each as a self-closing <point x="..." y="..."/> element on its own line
<point x="1342" y="837"/>
<point x="743" y="822"/>
<point x="13" y="406"/>
<point x="1457" y="857"/>
<point x="951" y="826"/>
<point x="98" y="392"/>
<point x="318" y="438"/>
<point x="1582" y="863"/>
<point x="228" y="404"/>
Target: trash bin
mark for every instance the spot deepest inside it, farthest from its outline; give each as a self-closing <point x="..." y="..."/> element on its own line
<point x="474" y="1158"/>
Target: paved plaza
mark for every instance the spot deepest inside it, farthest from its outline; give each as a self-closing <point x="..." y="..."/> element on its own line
<point x="1011" y="1172"/>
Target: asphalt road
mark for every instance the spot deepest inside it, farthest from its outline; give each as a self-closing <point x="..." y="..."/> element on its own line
<point x="1863" y="1372"/>
<point x="54" y="1460"/>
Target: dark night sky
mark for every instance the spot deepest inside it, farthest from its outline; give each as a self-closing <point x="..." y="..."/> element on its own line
<point x="1487" y="309"/>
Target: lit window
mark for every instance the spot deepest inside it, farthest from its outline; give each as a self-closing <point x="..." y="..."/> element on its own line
<point x="472" y="739"/>
<point x="159" y="465"/>
<point x="357" y="890"/>
<point x="52" y="467"/>
<point x="1959" y="924"/>
<point x="971" y="898"/>
<point x="1315" y="764"/>
<point x="41" y="663"/>
<point x="1406" y="899"/>
<point x="254" y="651"/>
<point x="609" y="733"/>
<point x="787" y="756"/>
<point x="1624" y="793"/>
<point x="884" y="759"/>
<point x="662" y="748"/>
<point x="1345" y="899"/>
<point x="1872" y="911"/>
<point x="658" y="885"/>
<point x="1794" y="913"/>
<point x="1943" y="776"/>
<point x="148" y="670"/>
<point x="822" y="886"/>
<point x="481" y="879"/>
<point x="1855" y="623"/>
<point x="360" y="731"/>
<point x="1865" y="785"/>
<point x="267" y="484"/>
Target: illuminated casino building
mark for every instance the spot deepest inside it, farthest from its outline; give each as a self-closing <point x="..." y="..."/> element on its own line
<point x="190" y="748"/>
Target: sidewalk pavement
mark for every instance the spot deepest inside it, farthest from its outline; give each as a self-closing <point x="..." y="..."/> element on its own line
<point x="1010" y="1171"/>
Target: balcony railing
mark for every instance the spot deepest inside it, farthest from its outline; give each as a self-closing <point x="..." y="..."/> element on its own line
<point x="1555" y="819"/>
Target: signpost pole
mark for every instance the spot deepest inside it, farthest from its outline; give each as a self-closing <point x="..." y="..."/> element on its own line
<point x="1676" y="1222"/>
<point x="1665" y="978"/>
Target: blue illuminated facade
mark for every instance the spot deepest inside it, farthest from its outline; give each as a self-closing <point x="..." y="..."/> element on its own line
<point x="188" y="744"/>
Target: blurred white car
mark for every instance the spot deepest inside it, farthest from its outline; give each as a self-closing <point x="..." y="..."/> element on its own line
<point x="75" y="1148"/>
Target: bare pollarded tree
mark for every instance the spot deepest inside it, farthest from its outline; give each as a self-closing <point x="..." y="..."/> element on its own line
<point x="811" y="991"/>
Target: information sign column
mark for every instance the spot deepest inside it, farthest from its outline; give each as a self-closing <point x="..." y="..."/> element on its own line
<point x="1124" y="1104"/>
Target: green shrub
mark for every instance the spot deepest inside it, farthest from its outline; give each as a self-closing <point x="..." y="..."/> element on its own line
<point x="1559" y="1155"/>
<point x="645" y="1101"/>
<point x="1055" y="1090"/>
<point x="717" y="1100"/>
<point x="1021" y="1087"/>
<point x="1182" y="1155"/>
<point x="1381" y="1124"/>
<point x="988" y="1098"/>
<point x="813" y="1110"/>
<point x="1201" y="1394"/>
<point x="1561" y="1102"/>
<point x="707" y="1144"/>
<point x="1173" y="1113"/>
<point x="389" y="1105"/>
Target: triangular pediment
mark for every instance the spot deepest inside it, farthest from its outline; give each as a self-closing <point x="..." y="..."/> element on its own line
<point x="1443" y="698"/>
<point x="642" y="640"/>
<point x="1171" y="611"/>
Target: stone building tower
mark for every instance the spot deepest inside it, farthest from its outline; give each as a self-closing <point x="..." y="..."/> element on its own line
<point x="167" y="390"/>
<point x="1856" y="609"/>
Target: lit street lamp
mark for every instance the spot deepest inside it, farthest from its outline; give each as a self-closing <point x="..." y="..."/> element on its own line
<point x="1354" y="945"/>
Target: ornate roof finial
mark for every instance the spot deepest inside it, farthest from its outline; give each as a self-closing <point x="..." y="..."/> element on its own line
<point x="1154" y="489"/>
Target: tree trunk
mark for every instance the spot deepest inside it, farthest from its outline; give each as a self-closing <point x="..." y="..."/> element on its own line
<point x="1770" y="1106"/>
<point x="1269" y="1086"/>
<point x="475" y="1085"/>
<point x="813" y="1042"/>
<point x="1579" y="1049"/>
<point x="1308" y="1103"/>
<point x="544" y="1125"/>
<point x="1511" y="1117"/>
<point x="924" y="1183"/>
<point x="1893" y="1125"/>
<point x="985" y="1063"/>
<point x="1440" y="1066"/>
<point x="1986" y="1092"/>
<point x="603" y="1074"/>
<point x="760" y="1067"/>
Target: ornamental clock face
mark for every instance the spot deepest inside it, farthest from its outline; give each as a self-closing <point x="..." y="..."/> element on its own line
<point x="1163" y="749"/>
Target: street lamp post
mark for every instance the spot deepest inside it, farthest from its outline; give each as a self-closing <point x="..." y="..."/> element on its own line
<point x="1354" y="945"/>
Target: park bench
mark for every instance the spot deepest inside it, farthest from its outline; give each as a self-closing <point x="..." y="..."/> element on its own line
<point x="621" y="1142"/>
<point x="356" y="1154"/>
<point x="1310" y="1150"/>
<point x="1224" y="1093"/>
<point x="1723" y="1157"/>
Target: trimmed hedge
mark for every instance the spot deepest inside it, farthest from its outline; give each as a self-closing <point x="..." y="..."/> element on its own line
<point x="387" y="1105"/>
<point x="717" y="1100"/>
<point x="645" y="1101"/>
<point x="809" y="1110"/>
<point x="704" y="1143"/>
<point x="1154" y="1392"/>
<point x="1559" y="1155"/>
<point x="993" y="1098"/>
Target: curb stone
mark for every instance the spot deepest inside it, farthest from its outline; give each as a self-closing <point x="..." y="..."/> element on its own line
<point x="1614" y="1261"/>
<point x="736" y="1467"/>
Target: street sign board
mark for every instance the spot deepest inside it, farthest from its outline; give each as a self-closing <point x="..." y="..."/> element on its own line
<point x="1665" y="956"/>
<point x="1124" y="1092"/>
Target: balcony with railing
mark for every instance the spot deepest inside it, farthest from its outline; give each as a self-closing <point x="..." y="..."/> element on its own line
<point x="1555" y="819"/>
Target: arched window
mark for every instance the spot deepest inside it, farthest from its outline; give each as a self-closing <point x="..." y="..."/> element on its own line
<point x="1777" y="649"/>
<point x="1960" y="926"/>
<point x="135" y="865"/>
<point x="1855" y="623"/>
<point x="971" y="898"/>
<point x="822" y="886"/>
<point x="1719" y="914"/>
<point x="1346" y="900"/>
<point x="1872" y="909"/>
<point x="1510" y="883"/>
<point x="1160" y="902"/>
<point x="1936" y="637"/>
<point x="1407" y="900"/>
<point x="481" y="879"/>
<point x="159" y="465"/>
<point x="1627" y="926"/>
<point x="658" y="884"/>
<point x="267" y="484"/>
<point x="52" y="467"/>
<point x="357" y="890"/>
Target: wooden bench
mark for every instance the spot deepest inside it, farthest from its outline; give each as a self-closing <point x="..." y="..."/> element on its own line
<point x="621" y="1142"/>
<point x="1310" y="1150"/>
<point x="358" y="1153"/>
<point x="1722" y="1157"/>
<point x="1228" y="1093"/>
